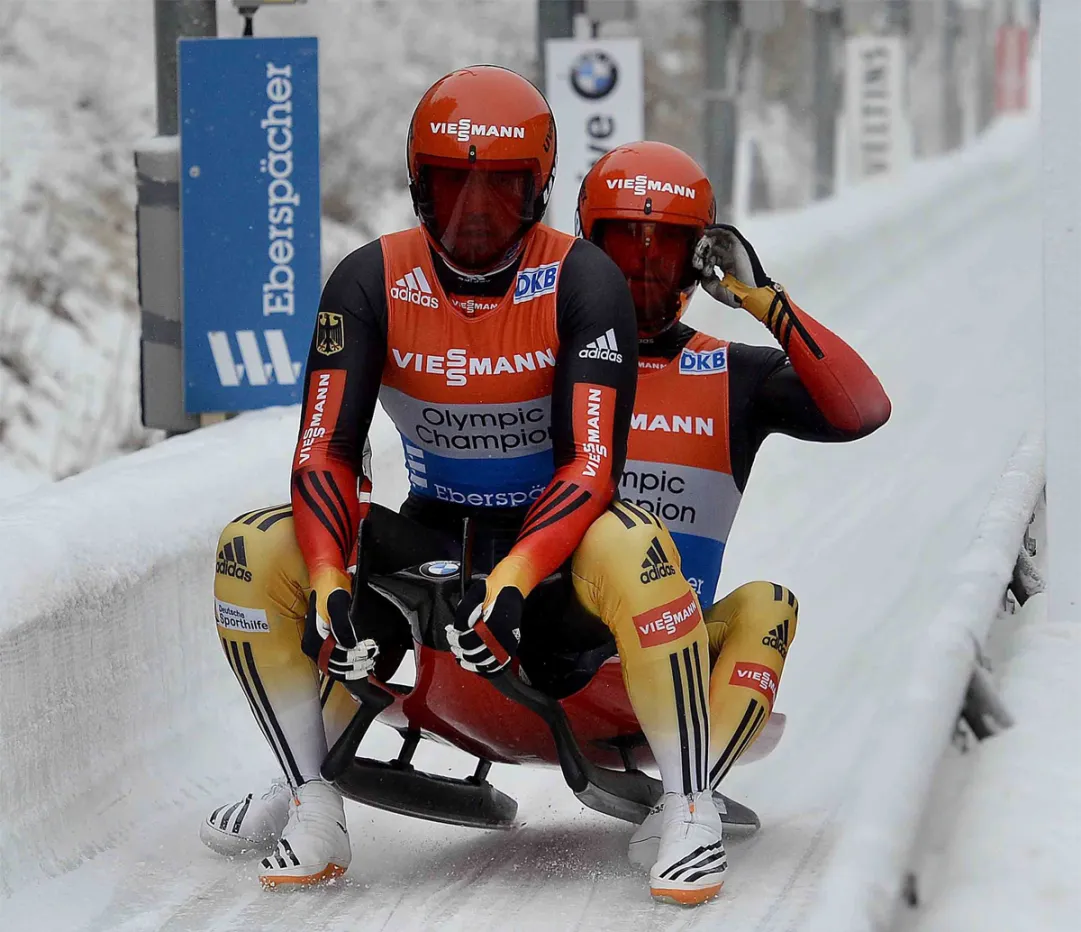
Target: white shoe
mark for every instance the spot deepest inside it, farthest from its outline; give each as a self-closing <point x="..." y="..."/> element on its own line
<point x="250" y="824"/>
<point x="315" y="844"/>
<point x="646" y="840"/>
<point x="691" y="861"/>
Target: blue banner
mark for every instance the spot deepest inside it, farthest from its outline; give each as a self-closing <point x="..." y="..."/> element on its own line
<point x="250" y="211"/>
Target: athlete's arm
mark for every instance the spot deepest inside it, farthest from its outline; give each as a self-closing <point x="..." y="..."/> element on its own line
<point x="331" y="488"/>
<point x="842" y="386"/>
<point x="844" y="389"/>
<point x="592" y="401"/>
<point x="769" y="394"/>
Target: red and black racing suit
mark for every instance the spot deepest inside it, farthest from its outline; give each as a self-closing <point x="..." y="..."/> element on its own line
<point x="591" y="300"/>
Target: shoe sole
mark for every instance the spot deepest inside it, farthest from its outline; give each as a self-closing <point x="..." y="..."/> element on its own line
<point x="327" y="874"/>
<point x="686" y="896"/>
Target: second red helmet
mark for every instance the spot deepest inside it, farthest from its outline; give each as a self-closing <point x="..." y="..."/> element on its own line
<point x="646" y="204"/>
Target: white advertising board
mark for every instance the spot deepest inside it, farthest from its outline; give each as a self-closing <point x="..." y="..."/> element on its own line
<point x="876" y="129"/>
<point x="596" y="92"/>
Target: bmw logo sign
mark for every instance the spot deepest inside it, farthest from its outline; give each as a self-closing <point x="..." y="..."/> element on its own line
<point x="437" y="569"/>
<point x="594" y="75"/>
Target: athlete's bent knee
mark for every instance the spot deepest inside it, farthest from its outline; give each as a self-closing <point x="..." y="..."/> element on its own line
<point x="764" y="610"/>
<point x="258" y="569"/>
<point x="624" y="530"/>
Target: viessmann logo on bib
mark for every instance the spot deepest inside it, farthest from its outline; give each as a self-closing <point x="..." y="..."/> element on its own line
<point x="458" y="366"/>
<point x="673" y="423"/>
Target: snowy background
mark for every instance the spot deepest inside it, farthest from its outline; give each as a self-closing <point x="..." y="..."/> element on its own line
<point x="98" y="824"/>
<point x="77" y="93"/>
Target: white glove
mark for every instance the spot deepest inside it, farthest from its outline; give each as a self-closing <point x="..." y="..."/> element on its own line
<point x="723" y="247"/>
<point x="353" y="664"/>
<point x="329" y="636"/>
<point x="483" y="639"/>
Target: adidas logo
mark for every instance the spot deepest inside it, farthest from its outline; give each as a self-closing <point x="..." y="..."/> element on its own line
<point x="656" y="565"/>
<point x="778" y="639"/>
<point x="604" y="347"/>
<point x="232" y="561"/>
<point x="413" y="287"/>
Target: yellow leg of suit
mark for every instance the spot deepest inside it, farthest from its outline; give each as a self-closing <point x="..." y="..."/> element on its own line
<point x="261" y="596"/>
<point x="750" y="631"/>
<point x="627" y="571"/>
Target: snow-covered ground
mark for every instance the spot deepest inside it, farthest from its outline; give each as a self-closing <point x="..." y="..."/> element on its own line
<point x="865" y="534"/>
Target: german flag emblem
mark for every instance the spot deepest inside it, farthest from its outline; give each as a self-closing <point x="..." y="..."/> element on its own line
<point x="329" y="333"/>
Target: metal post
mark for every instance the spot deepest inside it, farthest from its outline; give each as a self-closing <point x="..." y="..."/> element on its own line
<point x="826" y="23"/>
<point x="952" y="115"/>
<point x="898" y="17"/>
<point x="720" y="22"/>
<point x="172" y="20"/>
<point x="555" y="20"/>
<point x="157" y="213"/>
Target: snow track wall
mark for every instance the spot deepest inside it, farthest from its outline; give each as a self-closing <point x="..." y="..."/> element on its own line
<point x="862" y="885"/>
<point x="106" y="578"/>
<point x="106" y="581"/>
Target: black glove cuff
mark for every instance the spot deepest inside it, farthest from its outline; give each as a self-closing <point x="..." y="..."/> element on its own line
<point x="310" y="642"/>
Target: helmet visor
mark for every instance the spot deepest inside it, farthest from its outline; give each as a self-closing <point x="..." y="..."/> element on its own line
<point x="656" y="260"/>
<point x="477" y="215"/>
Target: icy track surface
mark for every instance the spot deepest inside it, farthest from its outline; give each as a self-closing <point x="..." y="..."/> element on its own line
<point x="865" y="534"/>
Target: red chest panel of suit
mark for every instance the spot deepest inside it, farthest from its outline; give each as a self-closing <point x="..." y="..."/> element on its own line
<point x="681" y="410"/>
<point x="679" y="464"/>
<point x="470" y="394"/>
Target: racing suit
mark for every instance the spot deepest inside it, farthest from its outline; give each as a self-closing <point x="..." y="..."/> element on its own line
<point x="513" y="399"/>
<point x="702" y="411"/>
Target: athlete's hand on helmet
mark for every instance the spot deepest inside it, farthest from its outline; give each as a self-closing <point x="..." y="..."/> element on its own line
<point x="730" y="271"/>
<point x="487" y="630"/>
<point x="329" y="636"/>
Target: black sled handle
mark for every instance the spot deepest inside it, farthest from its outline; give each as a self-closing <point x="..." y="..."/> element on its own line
<point x="373" y="700"/>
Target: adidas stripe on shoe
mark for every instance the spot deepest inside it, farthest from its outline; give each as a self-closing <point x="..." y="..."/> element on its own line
<point x="314" y="846"/>
<point x="249" y="825"/>
<point x="691" y="861"/>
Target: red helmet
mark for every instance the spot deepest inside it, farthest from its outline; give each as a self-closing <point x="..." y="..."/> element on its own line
<point x="481" y="156"/>
<point x="646" y="204"/>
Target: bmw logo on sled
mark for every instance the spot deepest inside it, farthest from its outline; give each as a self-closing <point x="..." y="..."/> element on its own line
<point x="437" y="569"/>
